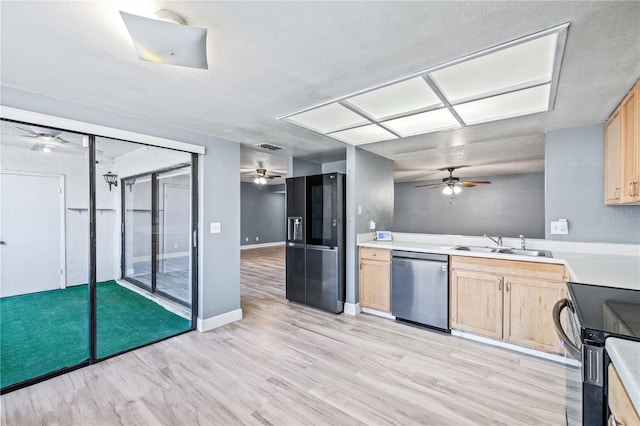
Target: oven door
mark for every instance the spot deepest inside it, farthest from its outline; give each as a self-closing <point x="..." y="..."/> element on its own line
<point x="568" y="330"/>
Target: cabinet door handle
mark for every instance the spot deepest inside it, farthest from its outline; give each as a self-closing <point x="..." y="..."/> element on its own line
<point x="616" y="194"/>
<point x="506" y="285"/>
<point x="361" y="266"/>
<point x="500" y="284"/>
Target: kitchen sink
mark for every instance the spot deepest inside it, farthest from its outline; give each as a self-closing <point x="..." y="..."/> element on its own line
<point x="525" y="252"/>
<point x="479" y="249"/>
<point x="505" y="250"/>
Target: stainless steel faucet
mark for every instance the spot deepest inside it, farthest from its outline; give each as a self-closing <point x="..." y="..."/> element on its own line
<point x="498" y="239"/>
<point x="522" y="242"/>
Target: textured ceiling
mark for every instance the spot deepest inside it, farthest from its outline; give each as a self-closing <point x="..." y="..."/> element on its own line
<point x="267" y="59"/>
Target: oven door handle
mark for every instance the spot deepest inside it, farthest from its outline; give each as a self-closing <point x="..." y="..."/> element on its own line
<point x="564" y="339"/>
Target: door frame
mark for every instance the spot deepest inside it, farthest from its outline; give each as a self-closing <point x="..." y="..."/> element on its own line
<point x="63" y="217"/>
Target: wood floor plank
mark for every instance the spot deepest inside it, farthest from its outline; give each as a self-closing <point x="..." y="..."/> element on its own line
<point x="288" y="364"/>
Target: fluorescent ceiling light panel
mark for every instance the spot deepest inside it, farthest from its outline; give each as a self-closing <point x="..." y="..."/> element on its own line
<point x="514" y="104"/>
<point x="167" y="42"/>
<point x="328" y="118"/>
<point x="400" y="98"/>
<point x="425" y="122"/>
<point x="504" y="69"/>
<point x="365" y="134"/>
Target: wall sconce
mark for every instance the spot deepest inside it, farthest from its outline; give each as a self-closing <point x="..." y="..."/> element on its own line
<point x="111" y="179"/>
<point x="129" y="183"/>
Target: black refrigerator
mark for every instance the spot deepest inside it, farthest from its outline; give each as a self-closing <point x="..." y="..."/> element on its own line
<point x="315" y="255"/>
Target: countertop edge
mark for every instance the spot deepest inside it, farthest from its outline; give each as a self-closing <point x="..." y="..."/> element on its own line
<point x="625" y="355"/>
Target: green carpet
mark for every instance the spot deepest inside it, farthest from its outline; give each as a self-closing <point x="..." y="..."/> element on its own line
<point x="43" y="332"/>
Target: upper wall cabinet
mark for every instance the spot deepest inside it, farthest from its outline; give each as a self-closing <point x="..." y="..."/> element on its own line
<point x="622" y="152"/>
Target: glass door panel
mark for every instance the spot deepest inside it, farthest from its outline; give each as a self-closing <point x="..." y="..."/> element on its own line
<point x="130" y="311"/>
<point x="138" y="230"/>
<point x="173" y="278"/>
<point x="44" y="254"/>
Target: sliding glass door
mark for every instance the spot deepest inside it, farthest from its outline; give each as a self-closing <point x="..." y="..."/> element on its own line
<point x="173" y="274"/>
<point x="97" y="255"/>
<point x="158" y="233"/>
<point x="44" y="252"/>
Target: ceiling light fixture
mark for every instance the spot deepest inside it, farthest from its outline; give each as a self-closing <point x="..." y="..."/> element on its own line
<point x="260" y="181"/>
<point x="167" y="39"/>
<point x="509" y="80"/>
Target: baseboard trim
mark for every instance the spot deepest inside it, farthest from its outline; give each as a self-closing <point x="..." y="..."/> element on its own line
<point x="252" y="246"/>
<point x="551" y="357"/>
<point x="378" y="313"/>
<point x="219" y="320"/>
<point x="352" y="308"/>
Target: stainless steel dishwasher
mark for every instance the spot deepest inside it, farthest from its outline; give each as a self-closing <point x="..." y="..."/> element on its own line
<point x="420" y="288"/>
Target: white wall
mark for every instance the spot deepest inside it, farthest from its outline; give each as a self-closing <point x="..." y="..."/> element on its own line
<point x="75" y="168"/>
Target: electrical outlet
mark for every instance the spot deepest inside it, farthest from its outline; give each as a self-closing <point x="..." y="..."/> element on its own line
<point x="560" y="227"/>
<point x="214" y="227"/>
<point x="246" y="238"/>
<point x="257" y="239"/>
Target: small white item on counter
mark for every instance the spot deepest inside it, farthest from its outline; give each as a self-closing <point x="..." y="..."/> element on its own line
<point x="383" y="236"/>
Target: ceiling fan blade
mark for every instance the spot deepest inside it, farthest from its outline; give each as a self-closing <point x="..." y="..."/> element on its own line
<point x="30" y="136"/>
<point x="433" y="185"/>
<point x="476" y="181"/>
<point x="465" y="184"/>
<point x="35" y="134"/>
<point x="272" y="176"/>
<point x="60" y="140"/>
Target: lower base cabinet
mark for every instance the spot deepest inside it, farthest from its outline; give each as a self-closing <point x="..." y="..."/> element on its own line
<point x="375" y="279"/>
<point x="507" y="300"/>
<point x="620" y="405"/>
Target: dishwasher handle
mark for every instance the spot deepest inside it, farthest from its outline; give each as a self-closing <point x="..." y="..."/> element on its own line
<point x="399" y="254"/>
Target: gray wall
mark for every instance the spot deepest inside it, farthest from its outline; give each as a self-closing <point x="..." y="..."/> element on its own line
<point x="574" y="164"/>
<point x="298" y="167"/>
<point x="263" y="214"/>
<point x="219" y="201"/>
<point x="219" y="256"/>
<point x="335" y="167"/>
<point x="511" y="205"/>
<point x="370" y="186"/>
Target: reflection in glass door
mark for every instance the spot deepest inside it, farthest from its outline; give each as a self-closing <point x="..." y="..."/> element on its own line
<point x="174" y="235"/>
<point x="137" y="221"/>
<point x="157" y="232"/>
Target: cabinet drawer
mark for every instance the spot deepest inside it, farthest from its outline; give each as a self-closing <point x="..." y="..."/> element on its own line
<point x="619" y="402"/>
<point x="382" y="255"/>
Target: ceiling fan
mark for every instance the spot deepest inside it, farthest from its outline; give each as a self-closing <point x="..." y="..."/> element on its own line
<point x="261" y="176"/>
<point x="44" y="137"/>
<point x="451" y="184"/>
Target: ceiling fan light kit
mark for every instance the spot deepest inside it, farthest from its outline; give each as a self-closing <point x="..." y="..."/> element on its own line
<point x="516" y="78"/>
<point x="451" y="185"/>
<point x="167" y="39"/>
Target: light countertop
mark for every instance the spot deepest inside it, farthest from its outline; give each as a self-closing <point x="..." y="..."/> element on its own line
<point x="583" y="262"/>
<point x="625" y="355"/>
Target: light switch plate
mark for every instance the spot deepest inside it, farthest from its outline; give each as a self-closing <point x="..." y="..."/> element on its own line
<point x="214" y="227"/>
<point x="560" y="227"/>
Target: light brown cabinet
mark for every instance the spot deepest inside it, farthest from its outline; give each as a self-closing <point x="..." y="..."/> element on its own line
<point x="622" y="151"/>
<point x="620" y="405"/>
<point x="375" y="279"/>
<point x="507" y="300"/>
<point x="476" y="303"/>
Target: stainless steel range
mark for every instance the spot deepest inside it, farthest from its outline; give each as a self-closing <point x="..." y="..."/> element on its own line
<point x="595" y="314"/>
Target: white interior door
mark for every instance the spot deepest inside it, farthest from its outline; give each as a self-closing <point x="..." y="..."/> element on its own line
<point x="31" y="231"/>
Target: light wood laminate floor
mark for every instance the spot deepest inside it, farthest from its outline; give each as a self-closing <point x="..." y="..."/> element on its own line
<point x="289" y="364"/>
